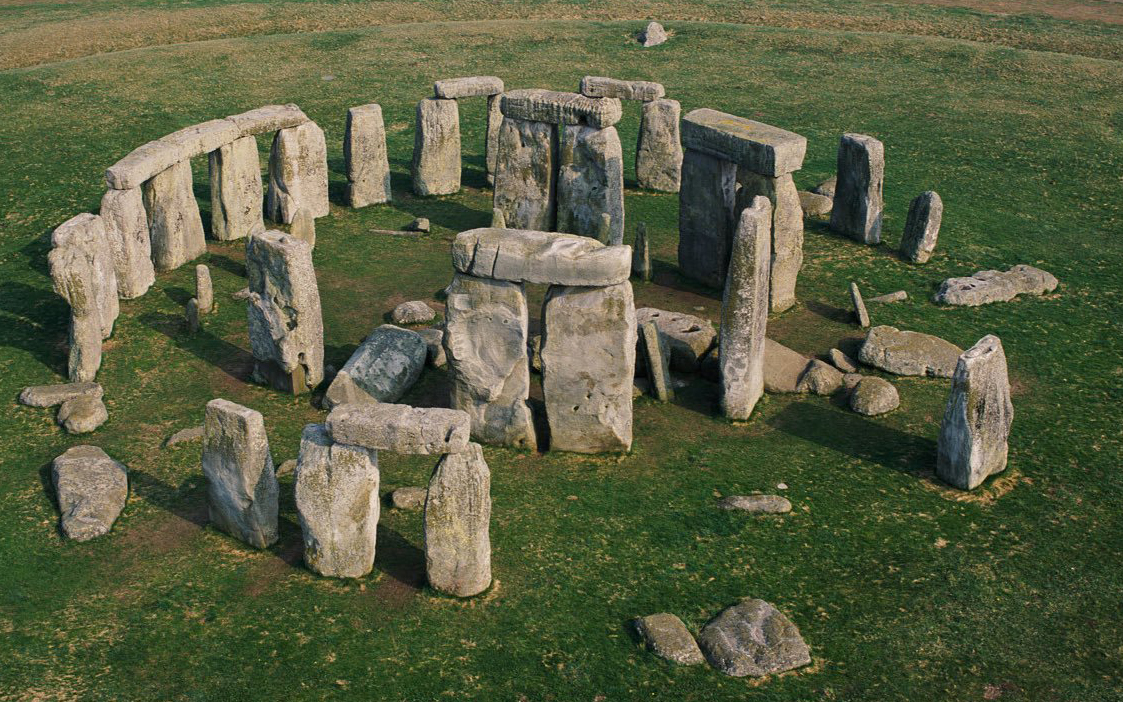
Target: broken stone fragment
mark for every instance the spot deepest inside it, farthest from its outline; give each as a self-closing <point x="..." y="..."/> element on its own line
<point x="815" y="205"/>
<point x="652" y="35"/>
<point x="873" y="396"/>
<point x="860" y="312"/>
<point x="82" y="414"/>
<point x="858" y="196"/>
<point x="667" y="637"/>
<point x="753" y="638"/>
<point x="51" y="395"/>
<point x="91" y="489"/>
<point x="909" y="353"/>
<point x="184" y="436"/>
<point x="922" y="227"/>
<point x="985" y="287"/>
<point x="413" y="312"/>
<point x="688" y="336"/>
<point x="763" y="504"/>
<point x="382" y="368"/>
<point x="843" y="362"/>
<point x="409" y="497"/>
<point x="400" y="428"/>
<point x="897" y="296"/>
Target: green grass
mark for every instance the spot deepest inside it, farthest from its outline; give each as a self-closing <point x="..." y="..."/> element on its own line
<point x="903" y="589"/>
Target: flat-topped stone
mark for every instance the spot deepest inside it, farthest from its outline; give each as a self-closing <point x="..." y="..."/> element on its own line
<point x="400" y="428"/>
<point x="82" y="414"/>
<point x="91" y="488"/>
<point x="51" y="395"/>
<point x="758" y="147"/>
<point x="157" y="156"/>
<point x="556" y="107"/>
<point x="985" y="287"/>
<point x="909" y="352"/>
<point x="203" y="138"/>
<point x="268" y="118"/>
<point x="762" y="504"/>
<point x="689" y="337"/>
<point x="667" y="637"/>
<point x="473" y="86"/>
<point x="540" y="257"/>
<point x="602" y="87"/>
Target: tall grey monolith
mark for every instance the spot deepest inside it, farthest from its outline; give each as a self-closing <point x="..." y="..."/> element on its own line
<point x="707" y="197"/>
<point x="526" y="174"/>
<point x="364" y="154"/>
<point x="659" y="148"/>
<point x="744" y="312"/>
<point x="236" y="194"/>
<point x="858" y="193"/>
<point x="436" y="148"/>
<point x="457" y="524"/>
<point x="126" y="230"/>
<point x="590" y="182"/>
<point x="242" y="489"/>
<point x="922" y="227"/>
<point x="174" y="223"/>
<point x="298" y="173"/>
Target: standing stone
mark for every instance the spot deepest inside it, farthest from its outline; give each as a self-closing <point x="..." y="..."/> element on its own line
<point x="174" y="223"/>
<point x="657" y="355"/>
<point x="588" y="363"/>
<point x="976" y="425"/>
<point x="285" y="324"/>
<point x="91" y="488"/>
<point x="653" y="35"/>
<point x="858" y="192"/>
<point x="860" y="312"/>
<point x="659" y="149"/>
<point x="364" y="153"/>
<point x="491" y="148"/>
<point x="126" y="228"/>
<point x="236" y="193"/>
<point x="787" y="232"/>
<point x="753" y="638"/>
<point x="191" y="314"/>
<point x="382" y="369"/>
<point x="525" y="174"/>
<point x="591" y="182"/>
<point x="337" y="500"/>
<point x="498" y="221"/>
<point x="204" y="289"/>
<point x="706" y="201"/>
<point x="486" y="346"/>
<point x="457" y="520"/>
<point x="922" y="227"/>
<point x="744" y="312"/>
<point x="641" y="255"/>
<point x="298" y="173"/>
<point x="436" y="148"/>
<point x="303" y="227"/>
<point x="242" y="488"/>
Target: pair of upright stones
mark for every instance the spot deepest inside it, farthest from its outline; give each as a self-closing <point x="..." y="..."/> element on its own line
<point x="436" y="137"/>
<point x="588" y="338"/>
<point x="729" y="161"/>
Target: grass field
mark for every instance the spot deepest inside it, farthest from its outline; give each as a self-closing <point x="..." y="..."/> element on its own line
<point x="903" y="588"/>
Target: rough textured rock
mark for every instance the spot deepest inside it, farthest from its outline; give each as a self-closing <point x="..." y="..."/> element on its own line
<point x="783" y="367"/>
<point x="667" y="637"/>
<point x="147" y="160"/>
<point x="472" y="86"/>
<point x="843" y="362"/>
<point x="286" y="468"/>
<point x="126" y="230"/>
<point x="540" y="257"/>
<point x="338" y="504"/>
<point x="851" y="380"/>
<point x="707" y="197"/>
<point x="420" y="224"/>
<point x="922" y="227"/>
<point x="787" y="232"/>
<point x="688" y="336"/>
<point x="815" y="205"/>
<point x="657" y="357"/>
<point x="641" y="255"/>
<point x="827" y="187"/>
<point x="588" y="362"/>
<point x="590" y="182"/>
<point x="382" y="368"/>
<point x="298" y="173"/>
<point x="526" y="174"/>
<point x="744" y="312"/>
<point x="553" y="107"/>
<point x="819" y="378"/>
<point x="995" y="286"/>
<point x="303" y="227"/>
<point x="491" y="145"/>
<point x="763" y="504"/>
<point x="204" y="289"/>
<point x="242" y="488"/>
<point x="191" y="315"/>
<point x="860" y="313"/>
<point x="976" y="424"/>
<point x="174" y="223"/>
<point x="755" y="146"/>
<point x="659" y="148"/>
<point x="601" y="87"/>
<point x="400" y="428"/>
<point x="184" y="436"/>
<point x="91" y="488"/>
<point x="858" y="192"/>
<point x="898" y="296"/>
<point x="434" y="345"/>
<point x="364" y="153"/>
<point x="653" y="34"/>
<point x="753" y="638"/>
<point x="409" y="498"/>
<point x="236" y="195"/>
<point x="873" y="396"/>
<point x="51" y="395"/>
<point x="436" y="148"/>
<point x="413" y="312"/>
<point x="498" y="220"/>
<point x="534" y="349"/>
<point x="83" y="414"/>
<point x="269" y="118"/>
<point x="286" y="328"/>
<point x="909" y="353"/>
<point x="457" y="521"/>
<point x="486" y="344"/>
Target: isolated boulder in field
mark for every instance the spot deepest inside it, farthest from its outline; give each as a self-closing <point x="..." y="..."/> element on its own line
<point x="753" y="638"/>
<point x="995" y="286"/>
<point x="667" y="637"/>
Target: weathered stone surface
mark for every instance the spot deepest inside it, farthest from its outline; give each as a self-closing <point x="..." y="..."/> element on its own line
<point x="436" y="148"/>
<point x="827" y="187"/>
<point x="486" y="344"/>
<point x="858" y="197"/>
<point x="298" y="173"/>
<point x="688" y="336"/>
<point x="526" y="174"/>
<point x="420" y="224"/>
<point x="909" y="352"/>
<point x="860" y="313"/>
<point x="985" y="287"/>
<point x="409" y="498"/>
<point x="744" y="312"/>
<point x="400" y="428"/>
<point x="457" y="522"/>
<point x="787" y="232"/>
<point x="653" y="34"/>
<point x="976" y="425"/>
<point x="819" y="378"/>
<point x="203" y="138"/>
<point x="434" y="346"/>
<point x="51" y="395"/>
<point x="534" y="349"/>
<point x="204" y="289"/>
<point x="184" y="436"/>
<point x="498" y="221"/>
<point x="413" y="312"/>
<point x="242" y="488"/>
<point x="236" y="195"/>
<point x="269" y="118"/>
<point x="590" y="182"/>
<point x="707" y="198"/>
<point x="641" y="255"/>
<point x="147" y="160"/>
<point x="755" y="146"/>
<point x="873" y="396"/>
<point x="540" y="257"/>
<point x="783" y="367"/>
<point x="851" y="380"/>
<point x="191" y="314"/>
<point x="657" y="357"/>
<point x="126" y="230"/>
<point x="303" y="227"/>
<point x="338" y="504"/>
<point x="843" y="362"/>
<point x="364" y="153"/>
<point x="659" y="148"/>
<point x="82" y="414"/>
<point x="898" y="296"/>
<point x="286" y="328"/>
<point x="815" y="205"/>
<point x="922" y="227"/>
<point x="763" y="504"/>
<point x="491" y="145"/>
<point x="382" y="368"/>
<point x="553" y="107"/>
<point x="91" y="488"/>
<point x="667" y="637"/>
<point x="174" y="223"/>
<point x="753" y="638"/>
<point x="286" y="468"/>
<point x="601" y="87"/>
<point x="588" y="362"/>
<point x="473" y="86"/>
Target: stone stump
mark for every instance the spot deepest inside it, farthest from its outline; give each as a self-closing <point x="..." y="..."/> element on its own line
<point x="436" y="148"/>
<point x="298" y="173"/>
<point x="590" y="182"/>
<point x="242" y="489"/>
<point x="744" y="312"/>
<point x="457" y="520"/>
<point x="236" y="195"/>
<point x="126" y="229"/>
<point x="858" y="191"/>
<point x="204" y="289"/>
<point x="174" y="223"/>
<point x="707" y="198"/>
<point x="382" y="369"/>
<point x="364" y="151"/>
<point x="659" y="148"/>
<point x="525" y="174"/>
<point x="922" y="227"/>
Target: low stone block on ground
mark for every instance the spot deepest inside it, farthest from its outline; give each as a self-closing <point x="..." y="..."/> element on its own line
<point x="762" y="504"/>
<point x="985" y="287"/>
<point x="91" y="489"/>
<point x="400" y="428"/>
<point x="413" y="312"/>
<point x="82" y="414"/>
<point x="688" y="336"/>
<point x="382" y="369"/>
<point x="667" y="637"/>
<point x="409" y="497"/>
<point x="873" y="396"/>
<point x="909" y="353"/>
<point x="753" y="638"/>
<point x="51" y="395"/>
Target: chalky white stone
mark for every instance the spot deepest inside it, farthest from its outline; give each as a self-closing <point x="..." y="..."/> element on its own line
<point x="457" y="523"/>
<point x="659" y="148"/>
<point x="540" y="257"/>
<point x="400" y="428"/>
<point x="787" y="232"/>
<point x="526" y="174"/>
<point x="174" y="223"/>
<point x="298" y="173"/>
<point x="436" y="148"/>
<point x="707" y="198"/>
<point x="653" y="35"/>
<point x="364" y="153"/>
<point x="236" y="195"/>
<point x="91" y="489"/>
<point x="126" y="229"/>
<point x="602" y="87"/>
<point x="382" y="368"/>
<point x="242" y="489"/>
<point x="922" y="227"/>
<point x="755" y="146"/>
<point x="858" y="192"/>
<point x="744" y="312"/>
<point x="554" y="107"/>
<point x="590" y="182"/>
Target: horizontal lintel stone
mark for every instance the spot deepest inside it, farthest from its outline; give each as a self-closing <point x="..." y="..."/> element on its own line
<point x="400" y="428"/>
<point x="474" y="86"/>
<point x="758" y="147"/>
<point x="556" y="107"/>
<point x="602" y="87"/>
<point x="544" y="258"/>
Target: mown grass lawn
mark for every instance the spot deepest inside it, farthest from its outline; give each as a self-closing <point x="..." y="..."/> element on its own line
<point x="904" y="589"/>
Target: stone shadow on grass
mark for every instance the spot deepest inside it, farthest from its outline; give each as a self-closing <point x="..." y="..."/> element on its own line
<point x="227" y="264"/>
<point x="400" y="560"/>
<point x="46" y="341"/>
<point x="234" y="361"/>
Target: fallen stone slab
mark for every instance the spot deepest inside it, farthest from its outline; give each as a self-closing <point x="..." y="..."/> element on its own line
<point x="473" y="86"/>
<point x="873" y="396"/>
<point x="51" y="395"/>
<point x="82" y="414"/>
<point x="898" y="296"/>
<point x="555" y="107"/>
<point x="762" y="504"/>
<point x="413" y="312"/>
<point x="688" y="336"/>
<point x="270" y="118"/>
<point x="909" y="353"/>
<point x="91" y="488"/>
<point x="242" y="490"/>
<point x="409" y="498"/>
<point x="601" y="87"/>
<point x="815" y="205"/>
<point x="783" y="367"/>
<point x="521" y="255"/>
<point x="819" y="378"/>
<point x="656" y="354"/>
<point x="652" y="35"/>
<point x="421" y="224"/>
<point x="843" y="362"/>
<point x="985" y="287"/>
<point x="757" y="147"/>
<point x="400" y="428"/>
<point x="457" y="524"/>
<point x="184" y="436"/>
<point x="753" y="638"/>
<point x="382" y="368"/>
<point x="667" y="637"/>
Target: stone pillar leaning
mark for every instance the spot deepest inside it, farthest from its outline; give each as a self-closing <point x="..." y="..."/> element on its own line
<point x="858" y="190"/>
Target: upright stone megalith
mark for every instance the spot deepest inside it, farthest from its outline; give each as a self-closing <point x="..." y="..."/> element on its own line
<point x="744" y="312"/>
<point x="242" y="489"/>
<point x="706" y="199"/>
<point x="858" y="192"/>
<point x="457" y="522"/>
<point x="298" y="173"/>
<point x="922" y="227"/>
<point x="491" y="147"/>
<point x="174" y="223"/>
<point x="204" y="289"/>
<point x="126" y="229"/>
<point x="526" y="173"/>
<point x="787" y="232"/>
<point x="976" y="425"/>
<point x="236" y="194"/>
<point x="364" y="151"/>
<point x="590" y="182"/>
<point x="436" y="147"/>
<point x="659" y="148"/>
